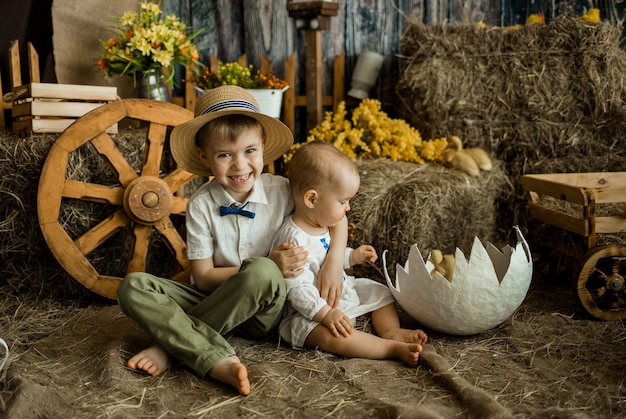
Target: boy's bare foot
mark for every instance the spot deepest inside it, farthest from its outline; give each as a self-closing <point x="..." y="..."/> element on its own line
<point x="153" y="360"/>
<point x="232" y="372"/>
<point x="406" y="335"/>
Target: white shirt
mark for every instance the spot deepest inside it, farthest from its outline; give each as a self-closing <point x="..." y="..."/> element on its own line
<point x="232" y="238"/>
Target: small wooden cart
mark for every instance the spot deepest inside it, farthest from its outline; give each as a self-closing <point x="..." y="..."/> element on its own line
<point x="601" y="274"/>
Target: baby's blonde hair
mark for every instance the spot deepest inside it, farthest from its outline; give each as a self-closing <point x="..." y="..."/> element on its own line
<point x="316" y="165"/>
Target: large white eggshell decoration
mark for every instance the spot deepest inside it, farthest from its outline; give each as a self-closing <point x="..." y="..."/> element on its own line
<point x="482" y="294"/>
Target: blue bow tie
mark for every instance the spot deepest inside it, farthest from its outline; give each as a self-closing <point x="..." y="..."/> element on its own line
<point x="238" y="211"/>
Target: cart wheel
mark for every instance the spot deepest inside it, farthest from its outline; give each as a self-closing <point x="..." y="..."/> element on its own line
<point x="601" y="283"/>
<point x="140" y="202"/>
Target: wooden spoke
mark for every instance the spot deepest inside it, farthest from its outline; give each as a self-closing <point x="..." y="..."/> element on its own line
<point x="174" y="242"/>
<point x="602" y="284"/>
<point x="93" y="192"/>
<point x="144" y="199"/>
<point x="114" y="158"/>
<point x="178" y="178"/>
<point x="154" y="150"/>
<point x="101" y="232"/>
<point x="139" y="243"/>
<point x="179" y="206"/>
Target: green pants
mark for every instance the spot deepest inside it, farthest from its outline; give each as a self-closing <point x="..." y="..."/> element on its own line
<point x="190" y="324"/>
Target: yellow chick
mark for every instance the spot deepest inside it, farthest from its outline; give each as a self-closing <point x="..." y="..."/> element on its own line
<point x="480" y="156"/>
<point x="462" y="161"/>
<point x="447" y="264"/>
<point x="436" y="257"/>
<point x="535" y="18"/>
<point x="457" y="158"/>
<point x="593" y="15"/>
<point x="444" y="264"/>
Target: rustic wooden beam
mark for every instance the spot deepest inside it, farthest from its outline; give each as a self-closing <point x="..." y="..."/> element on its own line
<point x="266" y="65"/>
<point x="289" y="97"/>
<point x="339" y="68"/>
<point x="33" y="64"/>
<point x="313" y="17"/>
<point x="191" y="96"/>
<point x="313" y="78"/>
<point x="14" y="64"/>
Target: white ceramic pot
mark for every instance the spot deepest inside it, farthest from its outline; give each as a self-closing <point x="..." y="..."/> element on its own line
<point x="270" y="100"/>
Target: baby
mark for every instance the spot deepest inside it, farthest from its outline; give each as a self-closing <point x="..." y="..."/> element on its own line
<point x="323" y="180"/>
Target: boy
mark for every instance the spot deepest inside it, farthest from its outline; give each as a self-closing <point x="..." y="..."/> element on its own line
<point x="230" y="221"/>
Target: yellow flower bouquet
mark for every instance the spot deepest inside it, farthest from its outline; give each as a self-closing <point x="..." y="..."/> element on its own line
<point x="148" y="41"/>
<point x="371" y="133"/>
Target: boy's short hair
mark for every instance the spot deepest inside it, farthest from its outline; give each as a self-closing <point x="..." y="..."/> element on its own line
<point x="227" y="127"/>
<point x="315" y="165"/>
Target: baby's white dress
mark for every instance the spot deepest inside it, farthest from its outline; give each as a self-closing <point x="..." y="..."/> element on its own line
<point x="360" y="295"/>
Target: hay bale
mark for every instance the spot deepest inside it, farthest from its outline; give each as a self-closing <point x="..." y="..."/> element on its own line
<point x="399" y="204"/>
<point x="528" y="96"/>
<point x="25" y="260"/>
<point x="544" y="90"/>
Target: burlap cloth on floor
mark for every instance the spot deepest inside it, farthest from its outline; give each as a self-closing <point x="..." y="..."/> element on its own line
<point x="79" y="371"/>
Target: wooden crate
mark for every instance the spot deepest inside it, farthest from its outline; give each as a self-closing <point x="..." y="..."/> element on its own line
<point x="587" y="191"/>
<point x="600" y="271"/>
<point x="51" y="108"/>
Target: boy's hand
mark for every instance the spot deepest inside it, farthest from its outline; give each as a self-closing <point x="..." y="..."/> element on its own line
<point x="289" y="259"/>
<point x="330" y="277"/>
<point x="362" y="254"/>
<point x="330" y="283"/>
<point x="338" y="323"/>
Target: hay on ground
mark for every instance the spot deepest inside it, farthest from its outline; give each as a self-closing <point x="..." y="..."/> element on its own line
<point x="546" y="361"/>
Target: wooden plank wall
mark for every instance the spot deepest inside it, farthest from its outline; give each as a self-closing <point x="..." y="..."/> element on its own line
<point x="515" y="11"/>
<point x="263" y="27"/>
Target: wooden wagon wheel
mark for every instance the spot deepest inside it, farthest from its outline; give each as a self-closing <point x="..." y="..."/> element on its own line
<point x="142" y="201"/>
<point x="601" y="282"/>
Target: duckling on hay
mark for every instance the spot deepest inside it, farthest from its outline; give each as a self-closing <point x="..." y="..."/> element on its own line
<point x="470" y="161"/>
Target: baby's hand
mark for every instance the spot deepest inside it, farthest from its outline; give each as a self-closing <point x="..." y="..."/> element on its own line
<point x="362" y="254"/>
<point x="289" y="259"/>
<point x="338" y="323"/>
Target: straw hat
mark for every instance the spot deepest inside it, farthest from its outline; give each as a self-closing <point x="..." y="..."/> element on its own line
<point x="222" y="101"/>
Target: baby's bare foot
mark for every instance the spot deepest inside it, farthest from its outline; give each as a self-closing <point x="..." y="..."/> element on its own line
<point x="232" y="372"/>
<point x="153" y="360"/>
<point x="411" y="354"/>
<point x="406" y="335"/>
